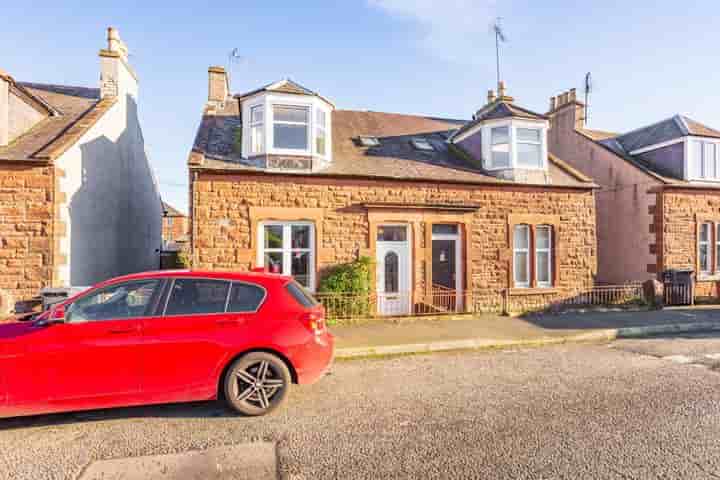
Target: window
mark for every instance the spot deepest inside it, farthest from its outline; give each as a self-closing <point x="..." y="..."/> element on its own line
<point x="500" y="147"/>
<point x="257" y="129"/>
<point x="704" y="247"/>
<point x="123" y="301"/>
<point x="169" y="221"/>
<point x="301" y="295"/>
<point x="543" y="269"/>
<point x="320" y="135"/>
<point x="392" y="272"/>
<point x="529" y="147"/>
<point x="287" y="248"/>
<point x="521" y="255"/>
<point x="392" y="233"/>
<point x="422" y="145"/>
<point x="245" y="297"/>
<point x="290" y="127"/>
<point x="717" y="247"/>
<point x="194" y="296"/>
<point x="368" y="141"/>
<point x="444" y="229"/>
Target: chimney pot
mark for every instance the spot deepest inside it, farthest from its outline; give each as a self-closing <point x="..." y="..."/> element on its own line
<point x="490" y="96"/>
<point x="501" y="89"/>
<point x="218" y="85"/>
<point x="552" y="103"/>
<point x="573" y="94"/>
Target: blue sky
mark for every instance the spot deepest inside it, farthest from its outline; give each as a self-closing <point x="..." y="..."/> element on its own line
<point x="649" y="59"/>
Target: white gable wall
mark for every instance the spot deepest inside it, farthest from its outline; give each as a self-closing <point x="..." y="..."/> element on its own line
<point x="113" y="211"/>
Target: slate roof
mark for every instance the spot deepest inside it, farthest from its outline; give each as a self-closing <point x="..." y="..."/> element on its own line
<point x="170" y="211"/>
<point x="215" y="148"/>
<point x="75" y="110"/>
<point x="671" y="128"/>
<point x="500" y="109"/>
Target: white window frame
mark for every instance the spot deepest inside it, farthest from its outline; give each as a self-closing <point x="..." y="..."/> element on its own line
<point x="539" y="143"/>
<point x="320" y="127"/>
<point x="706" y="244"/>
<point x="287" y="249"/>
<point x="513" y="124"/>
<point x="256" y="126"/>
<point x="308" y="127"/>
<point x="547" y="250"/>
<point x="508" y="143"/>
<point x="525" y="250"/>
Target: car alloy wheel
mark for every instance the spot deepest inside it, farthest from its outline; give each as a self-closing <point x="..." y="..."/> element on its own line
<point x="257" y="383"/>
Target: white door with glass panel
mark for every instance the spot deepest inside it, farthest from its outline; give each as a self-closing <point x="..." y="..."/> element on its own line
<point x="393" y="270"/>
<point x="288" y="248"/>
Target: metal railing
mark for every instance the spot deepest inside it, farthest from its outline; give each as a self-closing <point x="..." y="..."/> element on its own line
<point x="440" y="300"/>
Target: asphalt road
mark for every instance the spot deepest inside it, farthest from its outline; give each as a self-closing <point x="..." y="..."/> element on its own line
<point x="625" y="410"/>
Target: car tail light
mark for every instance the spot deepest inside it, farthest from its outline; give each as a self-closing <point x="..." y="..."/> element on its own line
<point x="315" y="321"/>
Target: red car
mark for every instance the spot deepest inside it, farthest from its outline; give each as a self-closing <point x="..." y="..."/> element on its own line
<point x="167" y="336"/>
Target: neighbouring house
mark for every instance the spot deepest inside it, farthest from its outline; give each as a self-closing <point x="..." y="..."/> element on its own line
<point x="175" y="226"/>
<point x="78" y="199"/>
<point x="659" y="205"/>
<point x="476" y="210"/>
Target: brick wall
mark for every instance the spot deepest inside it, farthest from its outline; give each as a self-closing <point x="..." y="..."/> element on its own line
<point x="174" y="228"/>
<point x="678" y="221"/>
<point x="223" y="235"/>
<point x="26" y="229"/>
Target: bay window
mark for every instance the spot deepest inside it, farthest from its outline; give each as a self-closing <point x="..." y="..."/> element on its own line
<point x="529" y="147"/>
<point x="288" y="248"/>
<point x="291" y="127"/>
<point x="257" y="129"/>
<point x="532" y="256"/>
<point x="500" y="147"/>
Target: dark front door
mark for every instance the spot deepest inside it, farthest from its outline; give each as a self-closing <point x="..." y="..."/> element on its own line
<point x="444" y="264"/>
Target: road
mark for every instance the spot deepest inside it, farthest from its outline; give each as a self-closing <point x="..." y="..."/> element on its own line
<point x="630" y="409"/>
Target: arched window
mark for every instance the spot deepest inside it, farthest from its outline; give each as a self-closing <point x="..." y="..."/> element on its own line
<point x="392" y="273"/>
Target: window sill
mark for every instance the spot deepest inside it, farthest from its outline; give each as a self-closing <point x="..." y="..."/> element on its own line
<point x="533" y="291"/>
<point x="708" y="277"/>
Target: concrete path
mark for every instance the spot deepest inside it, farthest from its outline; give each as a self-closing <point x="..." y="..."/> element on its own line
<point x="256" y="461"/>
<point x="419" y="334"/>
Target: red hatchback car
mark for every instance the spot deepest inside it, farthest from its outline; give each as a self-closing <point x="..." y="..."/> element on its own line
<point x="167" y="336"/>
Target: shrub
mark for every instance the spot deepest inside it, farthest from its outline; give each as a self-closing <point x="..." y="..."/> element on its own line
<point x="351" y="277"/>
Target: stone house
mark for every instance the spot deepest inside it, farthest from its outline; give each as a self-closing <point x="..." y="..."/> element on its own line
<point x="175" y="228"/>
<point x="659" y="205"/>
<point x="477" y="210"/>
<point x="78" y="199"/>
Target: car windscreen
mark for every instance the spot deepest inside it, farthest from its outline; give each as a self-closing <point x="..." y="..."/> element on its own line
<point x="302" y="296"/>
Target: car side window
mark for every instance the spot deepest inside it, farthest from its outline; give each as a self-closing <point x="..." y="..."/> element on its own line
<point x="121" y="301"/>
<point x="193" y="296"/>
<point x="245" y="297"/>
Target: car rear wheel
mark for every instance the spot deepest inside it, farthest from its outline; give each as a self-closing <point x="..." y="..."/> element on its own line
<point x="257" y="383"/>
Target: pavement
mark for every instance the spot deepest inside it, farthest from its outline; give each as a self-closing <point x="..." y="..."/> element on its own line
<point x="423" y="334"/>
<point x="613" y="411"/>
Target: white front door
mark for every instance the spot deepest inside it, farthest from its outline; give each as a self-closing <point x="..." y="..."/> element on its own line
<point x="393" y="270"/>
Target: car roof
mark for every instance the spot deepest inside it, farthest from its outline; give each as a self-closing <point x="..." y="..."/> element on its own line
<point x="259" y="277"/>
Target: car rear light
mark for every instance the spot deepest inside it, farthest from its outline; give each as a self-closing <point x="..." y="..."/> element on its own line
<point x="315" y="321"/>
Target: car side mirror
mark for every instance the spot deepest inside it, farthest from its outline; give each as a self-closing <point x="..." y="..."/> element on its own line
<point x="57" y="314"/>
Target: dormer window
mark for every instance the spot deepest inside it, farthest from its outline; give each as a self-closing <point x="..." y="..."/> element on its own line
<point x="257" y="126"/>
<point x="320" y="134"/>
<point x="290" y="127"/>
<point x="500" y="149"/>
<point x="529" y="142"/>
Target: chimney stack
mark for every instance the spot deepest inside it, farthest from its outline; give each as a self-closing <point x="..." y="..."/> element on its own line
<point x="491" y="96"/>
<point x="117" y="78"/>
<point x="4" y="108"/>
<point x="218" y="85"/>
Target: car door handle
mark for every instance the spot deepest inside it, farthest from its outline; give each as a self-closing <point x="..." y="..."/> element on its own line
<point x="230" y="321"/>
<point x="120" y="330"/>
